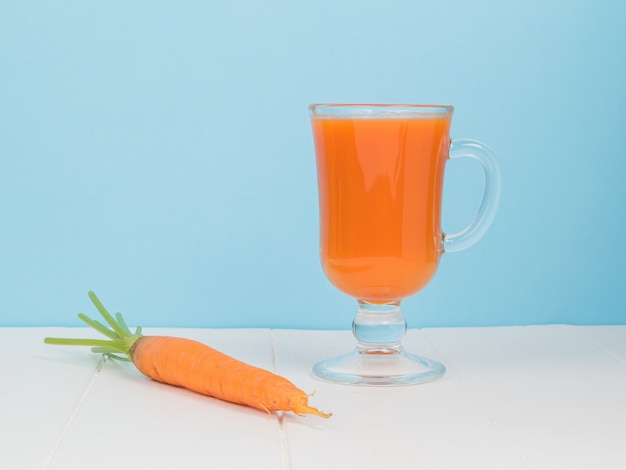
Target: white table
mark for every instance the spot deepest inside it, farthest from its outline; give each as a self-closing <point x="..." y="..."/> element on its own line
<point x="538" y="397"/>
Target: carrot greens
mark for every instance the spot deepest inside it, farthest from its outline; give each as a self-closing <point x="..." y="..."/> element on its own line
<point x="121" y="338"/>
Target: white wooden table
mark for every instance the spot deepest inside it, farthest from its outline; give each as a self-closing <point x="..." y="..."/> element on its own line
<point x="539" y="397"/>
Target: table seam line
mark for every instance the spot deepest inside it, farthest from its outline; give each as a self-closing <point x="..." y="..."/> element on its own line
<point x="72" y="416"/>
<point x="479" y="402"/>
<point x="285" y="456"/>
<point x="599" y="345"/>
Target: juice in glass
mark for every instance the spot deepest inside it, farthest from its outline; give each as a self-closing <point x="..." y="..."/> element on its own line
<point x="380" y="189"/>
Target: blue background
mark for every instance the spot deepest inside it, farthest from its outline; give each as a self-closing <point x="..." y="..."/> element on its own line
<point x="160" y="154"/>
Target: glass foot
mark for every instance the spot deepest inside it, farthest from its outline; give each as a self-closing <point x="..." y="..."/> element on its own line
<point x="379" y="358"/>
<point x="381" y="368"/>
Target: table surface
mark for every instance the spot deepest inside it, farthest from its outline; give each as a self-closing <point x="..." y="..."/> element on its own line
<point x="534" y="397"/>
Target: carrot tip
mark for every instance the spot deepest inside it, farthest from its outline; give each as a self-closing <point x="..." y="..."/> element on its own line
<point x="301" y="407"/>
<point x="312" y="411"/>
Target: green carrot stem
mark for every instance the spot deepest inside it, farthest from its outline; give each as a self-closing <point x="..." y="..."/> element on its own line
<point x="120" y="341"/>
<point x="106" y="315"/>
<point x="96" y="325"/>
<point x="119" y="345"/>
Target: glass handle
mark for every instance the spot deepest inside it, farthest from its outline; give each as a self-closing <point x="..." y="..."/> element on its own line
<point x="478" y="227"/>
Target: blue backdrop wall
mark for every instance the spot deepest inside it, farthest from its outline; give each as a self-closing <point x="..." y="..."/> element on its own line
<point x="159" y="153"/>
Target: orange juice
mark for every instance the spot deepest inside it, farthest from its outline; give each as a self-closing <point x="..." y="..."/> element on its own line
<point x="380" y="185"/>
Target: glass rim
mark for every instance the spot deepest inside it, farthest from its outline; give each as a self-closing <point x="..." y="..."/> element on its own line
<point x="344" y="109"/>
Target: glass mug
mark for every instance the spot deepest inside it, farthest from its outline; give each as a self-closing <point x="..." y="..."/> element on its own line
<point x="380" y="172"/>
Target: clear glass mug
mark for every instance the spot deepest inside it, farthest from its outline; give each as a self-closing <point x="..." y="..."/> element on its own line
<point x="380" y="175"/>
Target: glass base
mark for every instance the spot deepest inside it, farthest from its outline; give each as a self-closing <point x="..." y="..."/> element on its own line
<point x="379" y="358"/>
<point x="379" y="367"/>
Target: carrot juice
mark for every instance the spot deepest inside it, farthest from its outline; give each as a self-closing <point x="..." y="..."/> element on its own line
<point x="380" y="182"/>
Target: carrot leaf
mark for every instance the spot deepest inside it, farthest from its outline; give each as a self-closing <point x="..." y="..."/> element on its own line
<point x="120" y="341"/>
<point x="106" y="315"/>
<point x="96" y="325"/>
<point x="122" y="323"/>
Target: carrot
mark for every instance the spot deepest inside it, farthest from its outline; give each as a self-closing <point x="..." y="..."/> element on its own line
<point x="192" y="365"/>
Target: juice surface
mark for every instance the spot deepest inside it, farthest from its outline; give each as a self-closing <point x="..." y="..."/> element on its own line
<point x="380" y="189"/>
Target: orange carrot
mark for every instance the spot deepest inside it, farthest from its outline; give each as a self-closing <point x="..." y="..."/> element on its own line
<point x="193" y="365"/>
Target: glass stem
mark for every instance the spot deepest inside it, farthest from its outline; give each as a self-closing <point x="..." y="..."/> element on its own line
<point x="379" y="328"/>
